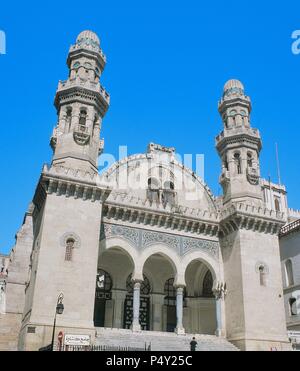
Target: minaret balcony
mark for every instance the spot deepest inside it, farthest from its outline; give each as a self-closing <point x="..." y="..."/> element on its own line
<point x="237" y="131"/>
<point x="84" y="83"/>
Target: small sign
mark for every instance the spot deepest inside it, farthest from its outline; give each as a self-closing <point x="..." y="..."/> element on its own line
<point x="83" y="340"/>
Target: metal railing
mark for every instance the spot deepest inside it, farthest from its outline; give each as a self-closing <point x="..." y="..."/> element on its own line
<point x="97" y="348"/>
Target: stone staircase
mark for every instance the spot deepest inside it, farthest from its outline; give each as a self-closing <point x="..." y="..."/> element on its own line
<point x="159" y="341"/>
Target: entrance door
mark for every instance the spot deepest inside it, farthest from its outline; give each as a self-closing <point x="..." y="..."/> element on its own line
<point x="99" y="312"/>
<point x="171" y="318"/>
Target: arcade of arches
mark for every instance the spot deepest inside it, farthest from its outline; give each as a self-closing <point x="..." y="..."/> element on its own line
<point x="153" y="304"/>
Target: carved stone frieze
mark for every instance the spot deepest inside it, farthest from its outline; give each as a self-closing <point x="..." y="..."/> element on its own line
<point x="141" y="239"/>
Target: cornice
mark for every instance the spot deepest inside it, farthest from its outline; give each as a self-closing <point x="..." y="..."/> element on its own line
<point x="244" y="216"/>
<point x="69" y="183"/>
<point x="176" y="218"/>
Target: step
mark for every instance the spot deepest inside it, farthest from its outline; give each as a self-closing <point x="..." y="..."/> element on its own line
<point x="160" y="341"/>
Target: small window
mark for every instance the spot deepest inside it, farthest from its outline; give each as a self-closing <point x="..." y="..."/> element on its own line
<point x="225" y="163"/>
<point x="76" y="65"/>
<point x="168" y="196"/>
<point x="277" y="204"/>
<point x="69" y="118"/>
<point x="82" y="119"/>
<point x="237" y="160"/>
<point x="153" y="190"/>
<point x="249" y="159"/>
<point x="293" y="306"/>
<point x="262" y="275"/>
<point x="69" y="249"/>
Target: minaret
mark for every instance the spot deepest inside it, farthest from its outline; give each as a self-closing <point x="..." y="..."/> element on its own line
<point x="248" y="234"/>
<point x="238" y="146"/>
<point x="67" y="206"/>
<point x="81" y="104"/>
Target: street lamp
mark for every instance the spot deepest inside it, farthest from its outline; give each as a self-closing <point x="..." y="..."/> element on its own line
<point x="59" y="310"/>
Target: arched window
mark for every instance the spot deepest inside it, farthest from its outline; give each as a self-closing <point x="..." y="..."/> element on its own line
<point x="208" y="285"/>
<point x="69" y="249"/>
<point x="82" y="119"/>
<point x="289" y="273"/>
<point x="225" y="163"/>
<point x="293" y="306"/>
<point x="153" y="190"/>
<point x="69" y="119"/>
<point x="168" y="193"/>
<point x="237" y="161"/>
<point x="277" y="204"/>
<point x="170" y="292"/>
<point x="104" y="281"/>
<point x="233" y="114"/>
<point x="249" y="159"/>
<point x="103" y="294"/>
<point x="262" y="275"/>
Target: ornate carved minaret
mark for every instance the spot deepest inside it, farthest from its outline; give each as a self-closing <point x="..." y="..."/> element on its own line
<point x="248" y="234"/>
<point x="81" y="104"/>
<point x="67" y="206"/>
<point x="238" y="146"/>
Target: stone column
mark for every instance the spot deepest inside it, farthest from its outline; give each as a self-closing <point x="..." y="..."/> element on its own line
<point x="136" y="307"/>
<point x="119" y="297"/>
<point x="179" y="310"/>
<point x="220" y="293"/>
<point x="219" y="317"/>
<point x="158" y="303"/>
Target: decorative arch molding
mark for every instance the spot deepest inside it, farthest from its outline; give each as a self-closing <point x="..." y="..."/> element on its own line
<point x="204" y="258"/>
<point x="70" y="236"/>
<point x="124" y="245"/>
<point x="175" y="164"/>
<point x="262" y="264"/>
<point x="165" y="252"/>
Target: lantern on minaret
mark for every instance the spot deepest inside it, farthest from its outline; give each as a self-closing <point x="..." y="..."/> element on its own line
<point x="81" y="104"/>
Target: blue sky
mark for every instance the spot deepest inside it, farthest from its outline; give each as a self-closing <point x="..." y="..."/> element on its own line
<point x="167" y="64"/>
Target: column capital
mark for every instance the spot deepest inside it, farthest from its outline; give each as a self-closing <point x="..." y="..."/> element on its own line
<point x="220" y="290"/>
<point x="179" y="287"/>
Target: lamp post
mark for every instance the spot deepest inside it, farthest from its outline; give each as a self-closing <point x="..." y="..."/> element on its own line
<point x="59" y="310"/>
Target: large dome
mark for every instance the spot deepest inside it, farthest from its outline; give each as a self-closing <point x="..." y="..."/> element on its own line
<point x="88" y="38"/>
<point x="233" y="87"/>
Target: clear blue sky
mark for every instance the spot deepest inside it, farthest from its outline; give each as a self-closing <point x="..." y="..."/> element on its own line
<point x="167" y="64"/>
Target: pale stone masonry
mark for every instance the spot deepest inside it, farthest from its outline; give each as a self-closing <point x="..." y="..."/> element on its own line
<point x="290" y="261"/>
<point x="145" y="246"/>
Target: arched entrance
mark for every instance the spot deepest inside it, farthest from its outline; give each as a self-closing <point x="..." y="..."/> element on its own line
<point x="144" y="304"/>
<point x="161" y="272"/>
<point x="200" y="311"/>
<point x="114" y="265"/>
